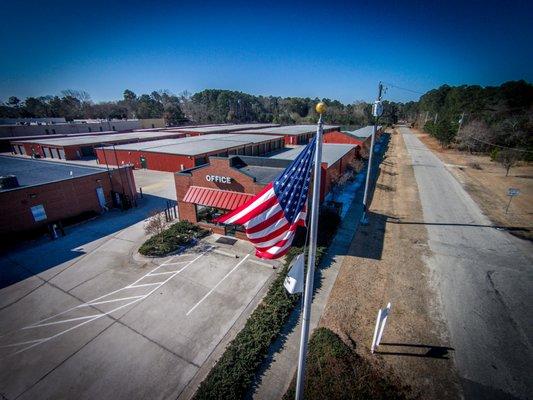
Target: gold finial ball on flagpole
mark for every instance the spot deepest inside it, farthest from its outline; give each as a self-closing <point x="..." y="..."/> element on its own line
<point x="321" y="107"/>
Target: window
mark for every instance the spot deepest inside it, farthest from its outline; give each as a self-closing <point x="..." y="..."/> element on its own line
<point x="200" y="161"/>
<point x="207" y="214"/>
<point x="101" y="129"/>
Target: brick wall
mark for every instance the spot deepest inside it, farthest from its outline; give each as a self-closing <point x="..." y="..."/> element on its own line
<point x="220" y="167"/>
<point x="61" y="200"/>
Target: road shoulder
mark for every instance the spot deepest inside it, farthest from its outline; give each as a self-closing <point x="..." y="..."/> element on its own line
<point x="385" y="262"/>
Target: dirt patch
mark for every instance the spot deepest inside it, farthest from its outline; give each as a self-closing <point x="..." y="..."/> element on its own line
<point x="385" y="263"/>
<point x="487" y="184"/>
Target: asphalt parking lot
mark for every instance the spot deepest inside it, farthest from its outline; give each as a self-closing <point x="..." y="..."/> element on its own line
<point x="85" y="317"/>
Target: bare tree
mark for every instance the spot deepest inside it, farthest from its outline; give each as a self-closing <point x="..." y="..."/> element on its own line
<point x="508" y="158"/>
<point x="155" y="223"/>
<point x="80" y="95"/>
<point x="474" y="137"/>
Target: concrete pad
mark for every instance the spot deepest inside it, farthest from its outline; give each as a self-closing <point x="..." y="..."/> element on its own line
<point x="111" y="255"/>
<point x="195" y="336"/>
<point x="41" y="303"/>
<point x="18" y="290"/>
<point x="19" y="371"/>
<point x="118" y="364"/>
<point x="210" y="270"/>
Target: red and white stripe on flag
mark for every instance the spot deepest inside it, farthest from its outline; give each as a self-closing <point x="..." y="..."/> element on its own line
<point x="271" y="217"/>
<point x="265" y="224"/>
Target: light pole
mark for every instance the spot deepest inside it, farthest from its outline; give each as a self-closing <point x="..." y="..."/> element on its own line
<point x="377" y="111"/>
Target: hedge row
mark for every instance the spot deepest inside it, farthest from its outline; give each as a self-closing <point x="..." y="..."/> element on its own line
<point x="335" y="371"/>
<point x="177" y="235"/>
<point x="232" y="375"/>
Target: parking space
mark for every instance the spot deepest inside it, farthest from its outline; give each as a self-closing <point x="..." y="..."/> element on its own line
<point x="103" y="323"/>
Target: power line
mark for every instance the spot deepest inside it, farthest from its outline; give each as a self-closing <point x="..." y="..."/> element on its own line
<point x="500" y="146"/>
<point x="402" y="88"/>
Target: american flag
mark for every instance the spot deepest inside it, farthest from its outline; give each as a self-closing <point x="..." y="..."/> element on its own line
<point x="271" y="217"/>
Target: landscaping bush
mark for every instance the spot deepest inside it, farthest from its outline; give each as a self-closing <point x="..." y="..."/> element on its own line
<point x="232" y="375"/>
<point x="180" y="234"/>
<point x="235" y="370"/>
<point x="335" y="371"/>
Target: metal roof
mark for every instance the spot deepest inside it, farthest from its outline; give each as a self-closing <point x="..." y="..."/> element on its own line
<point x="289" y="130"/>
<point x="363" y="132"/>
<point x="97" y="139"/>
<point x="223" y="128"/>
<point x="30" y="172"/>
<point x="196" y="145"/>
<point x="331" y="152"/>
<point x="224" y="199"/>
<point x="262" y="174"/>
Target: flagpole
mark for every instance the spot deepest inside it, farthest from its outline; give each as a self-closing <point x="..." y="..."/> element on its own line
<point x="308" y="293"/>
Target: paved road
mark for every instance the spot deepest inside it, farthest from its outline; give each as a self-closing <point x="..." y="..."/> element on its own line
<point x="485" y="281"/>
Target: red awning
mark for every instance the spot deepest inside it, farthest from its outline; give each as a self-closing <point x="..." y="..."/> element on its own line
<point x="223" y="199"/>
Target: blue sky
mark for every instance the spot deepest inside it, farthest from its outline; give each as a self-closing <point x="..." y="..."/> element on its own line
<point x="338" y="50"/>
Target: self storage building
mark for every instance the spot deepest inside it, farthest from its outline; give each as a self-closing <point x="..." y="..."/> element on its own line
<point x="360" y="137"/>
<point x="222" y="185"/>
<point x="37" y="193"/>
<point x="174" y="155"/>
<point x="292" y="134"/>
<point x="72" y="148"/>
<point x="221" y="128"/>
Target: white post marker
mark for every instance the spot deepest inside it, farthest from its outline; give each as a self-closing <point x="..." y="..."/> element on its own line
<point x="381" y="320"/>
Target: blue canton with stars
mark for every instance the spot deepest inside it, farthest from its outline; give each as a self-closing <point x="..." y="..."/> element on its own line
<point x="292" y="185"/>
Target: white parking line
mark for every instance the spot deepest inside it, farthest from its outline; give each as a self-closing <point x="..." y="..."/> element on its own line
<point x="212" y="290"/>
<point x="96" y="301"/>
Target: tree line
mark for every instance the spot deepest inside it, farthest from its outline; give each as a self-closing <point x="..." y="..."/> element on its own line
<point x="207" y="106"/>
<point x="492" y="119"/>
<point x="472" y="117"/>
<point x="76" y="104"/>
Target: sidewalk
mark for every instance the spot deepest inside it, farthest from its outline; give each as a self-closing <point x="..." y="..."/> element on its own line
<point x="279" y="367"/>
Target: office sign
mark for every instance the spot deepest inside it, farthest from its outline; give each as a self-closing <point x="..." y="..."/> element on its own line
<point x="216" y="178"/>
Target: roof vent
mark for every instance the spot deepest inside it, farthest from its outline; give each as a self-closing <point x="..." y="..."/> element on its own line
<point x="8" y="182"/>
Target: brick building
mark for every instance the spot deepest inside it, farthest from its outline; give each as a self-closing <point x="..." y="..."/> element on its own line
<point x="174" y="155"/>
<point x="207" y="191"/>
<point x="72" y="148"/>
<point x="293" y="134"/>
<point x="360" y="137"/>
<point x="46" y="192"/>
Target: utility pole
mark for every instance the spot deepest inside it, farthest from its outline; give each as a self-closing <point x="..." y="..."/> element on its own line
<point x="377" y="111"/>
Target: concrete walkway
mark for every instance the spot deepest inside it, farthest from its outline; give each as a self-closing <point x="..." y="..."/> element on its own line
<point x="279" y="367"/>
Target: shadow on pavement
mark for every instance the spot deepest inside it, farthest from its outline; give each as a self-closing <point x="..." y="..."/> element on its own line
<point x="31" y="258"/>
